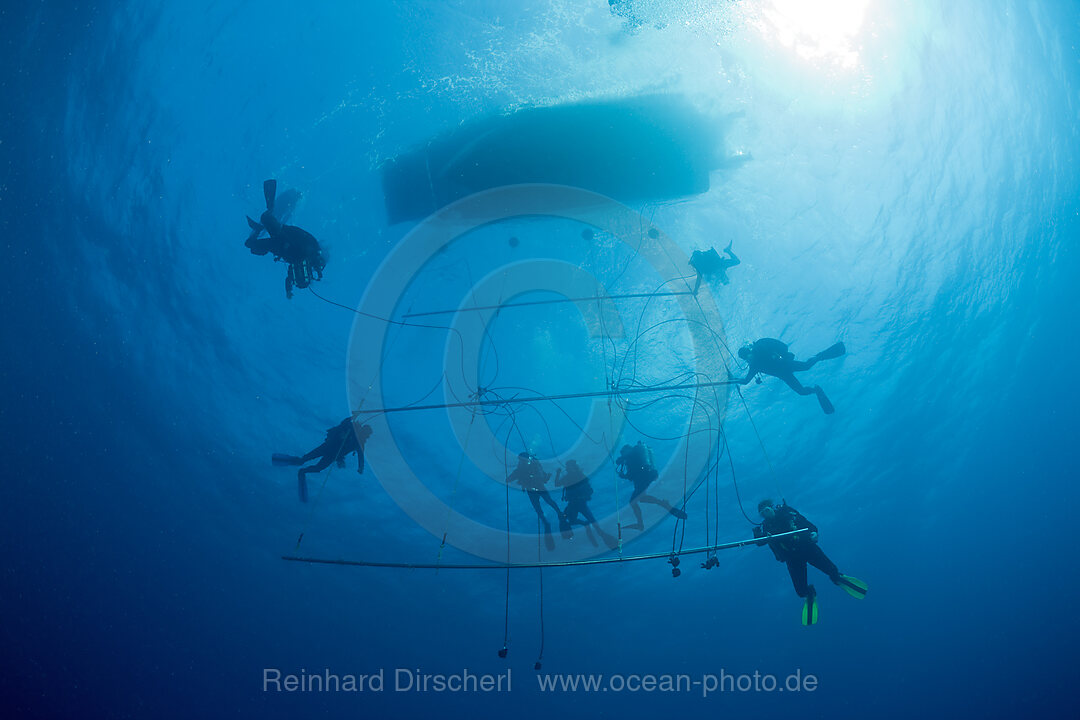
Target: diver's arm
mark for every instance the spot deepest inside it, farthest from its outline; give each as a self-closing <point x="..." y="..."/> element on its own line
<point x="750" y="373"/>
<point x="801" y="523"/>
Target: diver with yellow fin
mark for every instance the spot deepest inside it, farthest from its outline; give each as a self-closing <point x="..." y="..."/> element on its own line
<point x="297" y="247"/>
<point x="797" y="551"/>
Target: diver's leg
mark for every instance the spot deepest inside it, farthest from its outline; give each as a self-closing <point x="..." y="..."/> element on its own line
<point x="324" y="463"/>
<point x="795" y="385"/>
<point x="534" y="498"/>
<point x="546" y="497"/>
<point x="797" y="570"/>
<point x="817" y="557"/>
<point x="570" y="512"/>
<point x="317" y="452"/>
<point x="640" y="524"/>
<point x="647" y="498"/>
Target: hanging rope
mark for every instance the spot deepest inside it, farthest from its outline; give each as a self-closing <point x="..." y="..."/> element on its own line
<point x="453" y="492"/>
<point x="540" y="657"/>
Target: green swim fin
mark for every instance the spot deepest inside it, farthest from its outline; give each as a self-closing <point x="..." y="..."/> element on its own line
<point x="809" y="611"/>
<point x="854" y="587"/>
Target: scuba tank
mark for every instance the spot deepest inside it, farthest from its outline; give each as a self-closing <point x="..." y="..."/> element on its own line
<point x="300" y="274"/>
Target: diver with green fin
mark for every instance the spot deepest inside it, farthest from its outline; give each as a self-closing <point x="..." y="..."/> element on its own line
<point x="770" y="356"/>
<point x="797" y="551"/>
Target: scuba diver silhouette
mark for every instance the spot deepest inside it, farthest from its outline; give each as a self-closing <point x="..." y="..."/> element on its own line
<point x="709" y="264"/>
<point x="636" y="464"/>
<point x="531" y="477"/>
<point x="796" y="551"/>
<point x="577" y="491"/>
<point x="772" y="357"/>
<point x="297" y="247"/>
<point x="341" y="440"/>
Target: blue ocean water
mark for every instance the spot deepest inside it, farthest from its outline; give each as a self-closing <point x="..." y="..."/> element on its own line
<point x="899" y="176"/>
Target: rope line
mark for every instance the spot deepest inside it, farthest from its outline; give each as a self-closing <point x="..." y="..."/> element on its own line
<point x="541" y="398"/>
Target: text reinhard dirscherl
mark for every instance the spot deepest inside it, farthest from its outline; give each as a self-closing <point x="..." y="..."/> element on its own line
<point x="410" y="680"/>
<point x="401" y="680"/>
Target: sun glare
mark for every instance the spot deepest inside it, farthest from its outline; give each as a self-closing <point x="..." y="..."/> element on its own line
<point x="824" y="31"/>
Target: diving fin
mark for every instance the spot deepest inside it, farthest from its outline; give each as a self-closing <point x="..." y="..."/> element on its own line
<point x="854" y="587"/>
<point x="302" y="486"/>
<point x="282" y="460"/>
<point x="549" y="541"/>
<point x="270" y="192"/>
<point x="810" y="611"/>
<point x="254" y="225"/>
<point x="826" y="404"/>
<point x="833" y="352"/>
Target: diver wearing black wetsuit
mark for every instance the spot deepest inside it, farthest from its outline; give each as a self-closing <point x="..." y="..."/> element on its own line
<point x="636" y="464"/>
<point x="772" y="357"/>
<point x="295" y="246"/>
<point x="708" y="264"/>
<point x="532" y="478"/>
<point x="340" y="440"/>
<point x="795" y="550"/>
